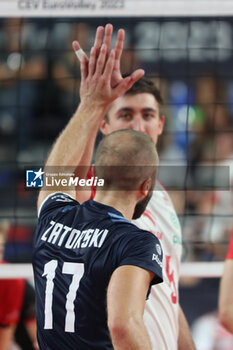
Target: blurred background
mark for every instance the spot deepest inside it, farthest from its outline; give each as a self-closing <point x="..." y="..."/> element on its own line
<point x="190" y="60"/>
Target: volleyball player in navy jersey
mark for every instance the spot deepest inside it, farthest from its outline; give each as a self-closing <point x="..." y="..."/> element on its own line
<point x="93" y="268"/>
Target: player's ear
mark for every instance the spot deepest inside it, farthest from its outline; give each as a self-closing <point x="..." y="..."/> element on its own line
<point x="161" y="123"/>
<point x="146" y="187"/>
<point x="104" y="127"/>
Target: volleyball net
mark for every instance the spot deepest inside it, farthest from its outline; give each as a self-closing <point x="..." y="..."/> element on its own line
<point x="184" y="46"/>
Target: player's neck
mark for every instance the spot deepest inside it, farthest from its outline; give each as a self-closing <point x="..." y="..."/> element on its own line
<point x="119" y="200"/>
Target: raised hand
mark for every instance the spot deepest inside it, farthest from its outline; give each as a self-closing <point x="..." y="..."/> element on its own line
<point x="95" y="88"/>
<point x="104" y="37"/>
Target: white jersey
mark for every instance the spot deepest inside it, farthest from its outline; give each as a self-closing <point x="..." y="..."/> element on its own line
<point x="161" y="311"/>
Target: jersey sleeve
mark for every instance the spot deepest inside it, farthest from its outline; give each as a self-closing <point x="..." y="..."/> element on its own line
<point x="143" y="249"/>
<point x="56" y="201"/>
<point x="11" y="299"/>
<point x="230" y="248"/>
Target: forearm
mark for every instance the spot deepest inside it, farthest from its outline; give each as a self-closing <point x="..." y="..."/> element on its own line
<point x="185" y="341"/>
<point x="6" y="337"/>
<point x="130" y="335"/>
<point x="71" y="145"/>
<point x="31" y="330"/>
<point x="125" y="307"/>
<point x="98" y="90"/>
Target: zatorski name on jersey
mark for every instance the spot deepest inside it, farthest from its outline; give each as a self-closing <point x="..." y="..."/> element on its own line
<point x="57" y="232"/>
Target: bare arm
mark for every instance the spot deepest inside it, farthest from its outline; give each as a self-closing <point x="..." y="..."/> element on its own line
<point x="126" y="298"/>
<point x="185" y="341"/>
<point x="226" y="297"/>
<point x="97" y="91"/>
<point x="31" y="330"/>
<point x="104" y="35"/>
<point x="6" y="336"/>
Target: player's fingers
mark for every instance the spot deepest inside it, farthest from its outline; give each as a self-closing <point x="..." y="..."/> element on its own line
<point x="122" y="87"/>
<point x="75" y="45"/>
<point x="98" y="38"/>
<point x="101" y="60"/>
<point x="79" y="51"/>
<point x="136" y="75"/>
<point x="92" y="62"/>
<point x="127" y="82"/>
<point x="119" y="47"/>
<point x="108" y="35"/>
<point x="109" y="66"/>
<point x="84" y="68"/>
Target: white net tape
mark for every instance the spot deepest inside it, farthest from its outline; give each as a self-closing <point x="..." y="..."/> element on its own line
<point x="192" y="269"/>
<point x="114" y="8"/>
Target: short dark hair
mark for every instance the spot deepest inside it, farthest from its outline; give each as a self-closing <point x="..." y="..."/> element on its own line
<point x="145" y="85"/>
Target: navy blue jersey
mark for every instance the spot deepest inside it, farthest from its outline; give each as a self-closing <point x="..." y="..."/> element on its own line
<point x="76" y="249"/>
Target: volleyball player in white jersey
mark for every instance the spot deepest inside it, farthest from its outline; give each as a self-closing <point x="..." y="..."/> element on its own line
<point x="138" y="110"/>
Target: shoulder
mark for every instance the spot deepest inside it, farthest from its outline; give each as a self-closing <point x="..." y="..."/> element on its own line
<point x="127" y="227"/>
<point x="128" y="234"/>
<point x="135" y="237"/>
<point x="159" y="184"/>
<point x="141" y="248"/>
<point x="161" y="189"/>
<point x="160" y="199"/>
<point x="56" y="201"/>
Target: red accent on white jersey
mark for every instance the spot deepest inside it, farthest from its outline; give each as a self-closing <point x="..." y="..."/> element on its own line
<point x="161" y="311"/>
<point x="147" y="213"/>
<point x="230" y="248"/>
<point x="150" y="216"/>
